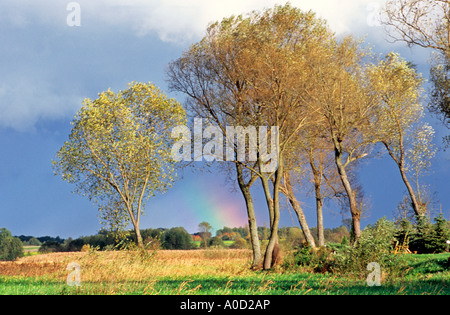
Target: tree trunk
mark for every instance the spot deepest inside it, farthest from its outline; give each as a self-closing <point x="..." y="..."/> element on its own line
<point x="135" y="222"/>
<point x="252" y="225"/>
<point x="317" y="174"/>
<point x="320" y="229"/>
<point x="269" y="258"/>
<point x="289" y="193"/>
<point x="269" y="199"/>
<point x="417" y="207"/>
<point x="273" y="241"/>
<point x="139" y="241"/>
<point x="355" y="213"/>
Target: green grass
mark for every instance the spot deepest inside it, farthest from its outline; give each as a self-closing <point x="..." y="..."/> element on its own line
<point x="31" y="250"/>
<point x="29" y="286"/>
<point x="259" y="284"/>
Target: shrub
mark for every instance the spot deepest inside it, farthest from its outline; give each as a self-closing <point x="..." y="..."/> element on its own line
<point x="11" y="247"/>
<point x="216" y="242"/>
<point x="318" y="259"/>
<point x="177" y="238"/>
<point x="51" y="247"/>
<point x="74" y="245"/>
<point x="427" y="238"/>
<point x="239" y="243"/>
<point x="86" y="248"/>
<point x="152" y="243"/>
<point x="374" y="245"/>
<point x="439" y="235"/>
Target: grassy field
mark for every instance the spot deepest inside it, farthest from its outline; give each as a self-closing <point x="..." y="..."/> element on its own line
<point x="222" y="272"/>
<point x="31" y="250"/>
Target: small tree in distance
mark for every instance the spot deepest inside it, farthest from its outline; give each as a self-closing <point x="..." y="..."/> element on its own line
<point x="177" y="238"/>
<point x="205" y="231"/>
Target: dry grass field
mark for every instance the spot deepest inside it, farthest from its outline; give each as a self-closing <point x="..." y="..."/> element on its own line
<point x="107" y="272"/>
<point x="131" y="265"/>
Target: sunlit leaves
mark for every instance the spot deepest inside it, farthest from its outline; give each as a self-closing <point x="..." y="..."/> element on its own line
<point x="118" y="153"/>
<point x="400" y="129"/>
<point x="399" y="88"/>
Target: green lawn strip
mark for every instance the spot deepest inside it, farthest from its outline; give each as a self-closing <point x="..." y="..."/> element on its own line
<point x="29" y="286"/>
<point x="258" y="284"/>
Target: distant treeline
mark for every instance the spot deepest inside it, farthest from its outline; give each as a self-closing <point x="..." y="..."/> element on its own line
<point x="37" y="241"/>
<point x="177" y="238"/>
<point x="294" y="234"/>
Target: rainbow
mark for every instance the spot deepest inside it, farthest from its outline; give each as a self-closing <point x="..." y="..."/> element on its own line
<point x="211" y="201"/>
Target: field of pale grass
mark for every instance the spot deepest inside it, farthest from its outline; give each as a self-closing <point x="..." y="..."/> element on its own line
<point x="132" y="265"/>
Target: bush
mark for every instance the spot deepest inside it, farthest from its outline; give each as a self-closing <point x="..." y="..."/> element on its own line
<point x="74" y="245"/>
<point x="374" y="245"/>
<point x="439" y="235"/>
<point x="11" y="247"/>
<point x="177" y="238"/>
<point x="86" y="248"/>
<point x="216" y="242"/>
<point x="52" y="247"/>
<point x="316" y="260"/>
<point x="239" y="243"/>
<point x="426" y="238"/>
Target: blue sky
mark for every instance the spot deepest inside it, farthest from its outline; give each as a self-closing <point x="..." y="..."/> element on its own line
<point x="48" y="67"/>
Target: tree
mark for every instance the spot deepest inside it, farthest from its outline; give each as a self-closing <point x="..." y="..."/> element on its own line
<point x="31" y="241"/>
<point x="216" y="242"/>
<point x="214" y="92"/>
<point x="440" y="235"/>
<point x="177" y="238"/>
<point x="251" y="71"/>
<point x="278" y="43"/>
<point x="362" y="202"/>
<point x="346" y="108"/>
<point x="205" y="231"/>
<point x="406" y="139"/>
<point x="119" y="150"/>
<point x="11" y="247"/>
<point x="316" y="165"/>
<point x="404" y="211"/>
<point x="255" y="71"/>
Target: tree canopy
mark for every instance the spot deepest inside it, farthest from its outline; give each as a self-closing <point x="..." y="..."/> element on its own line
<point x="119" y="151"/>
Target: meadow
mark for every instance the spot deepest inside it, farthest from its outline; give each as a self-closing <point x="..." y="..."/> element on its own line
<point x="205" y="272"/>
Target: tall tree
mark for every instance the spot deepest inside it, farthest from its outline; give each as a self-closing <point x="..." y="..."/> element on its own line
<point x="407" y="140"/>
<point x="346" y="106"/>
<point x="215" y="92"/>
<point x="323" y="175"/>
<point x="250" y="72"/>
<point x="281" y="42"/>
<point x="119" y="150"/>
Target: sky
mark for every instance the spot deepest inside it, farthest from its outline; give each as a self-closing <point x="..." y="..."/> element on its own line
<point x="55" y="53"/>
